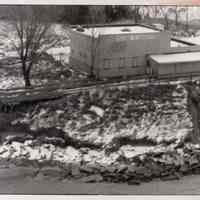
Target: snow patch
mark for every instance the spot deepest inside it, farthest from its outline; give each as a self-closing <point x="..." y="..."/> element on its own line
<point x="99" y="111"/>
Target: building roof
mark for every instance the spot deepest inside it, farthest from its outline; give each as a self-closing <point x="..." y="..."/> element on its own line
<point x="176" y="58"/>
<point x="112" y="30"/>
<point x="177" y="44"/>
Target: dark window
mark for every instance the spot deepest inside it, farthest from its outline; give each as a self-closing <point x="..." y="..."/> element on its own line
<point x="128" y="62"/>
<point x="134" y="62"/>
<point x="121" y="63"/>
<point x="107" y="64"/>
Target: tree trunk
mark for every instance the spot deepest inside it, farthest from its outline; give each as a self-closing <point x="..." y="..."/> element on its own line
<point x="187" y="19"/>
<point x="136" y="14"/>
<point x="176" y="13"/>
<point x="92" y="75"/>
<point x="26" y="73"/>
<point x="27" y="79"/>
<point x="166" y="23"/>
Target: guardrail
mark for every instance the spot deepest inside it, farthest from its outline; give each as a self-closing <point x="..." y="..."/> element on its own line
<point x="52" y="91"/>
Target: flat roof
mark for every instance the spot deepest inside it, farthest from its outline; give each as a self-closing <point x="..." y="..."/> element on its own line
<point x="176" y="58"/>
<point x="112" y="30"/>
<point x="194" y="40"/>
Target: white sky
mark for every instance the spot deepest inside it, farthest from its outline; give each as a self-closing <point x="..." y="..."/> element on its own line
<point x="103" y="2"/>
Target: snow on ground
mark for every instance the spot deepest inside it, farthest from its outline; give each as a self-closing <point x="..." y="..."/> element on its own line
<point x="60" y="54"/>
<point x="48" y="152"/>
<point x="97" y="110"/>
<point x="62" y="51"/>
<point x="129" y="164"/>
<point x="138" y="133"/>
<point x="157" y="114"/>
<point x="13" y="81"/>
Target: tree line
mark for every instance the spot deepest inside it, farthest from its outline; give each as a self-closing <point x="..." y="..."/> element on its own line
<point x="135" y="13"/>
<point x="87" y="14"/>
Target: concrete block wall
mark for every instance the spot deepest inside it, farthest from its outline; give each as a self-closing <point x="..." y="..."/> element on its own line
<point x="123" y="54"/>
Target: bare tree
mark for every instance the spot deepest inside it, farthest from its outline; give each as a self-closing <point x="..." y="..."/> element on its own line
<point x="97" y="14"/>
<point x="136" y="13"/>
<point x="177" y="11"/>
<point x="164" y="12"/>
<point x="33" y="35"/>
<point x="187" y="18"/>
<point x="94" y="47"/>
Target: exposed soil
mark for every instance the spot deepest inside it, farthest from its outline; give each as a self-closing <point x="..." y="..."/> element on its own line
<point x="112" y="135"/>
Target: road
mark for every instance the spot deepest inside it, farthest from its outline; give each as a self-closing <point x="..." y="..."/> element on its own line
<point x="15" y="181"/>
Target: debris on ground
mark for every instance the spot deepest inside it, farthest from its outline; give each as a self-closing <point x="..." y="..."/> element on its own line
<point x="113" y="135"/>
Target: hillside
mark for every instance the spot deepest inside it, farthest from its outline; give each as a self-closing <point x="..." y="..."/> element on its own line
<point x="104" y="135"/>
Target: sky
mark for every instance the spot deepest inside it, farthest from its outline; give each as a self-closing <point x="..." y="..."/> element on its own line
<point x="138" y="2"/>
<point x="194" y="13"/>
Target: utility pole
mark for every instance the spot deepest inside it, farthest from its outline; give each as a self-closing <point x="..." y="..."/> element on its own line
<point x="187" y="18"/>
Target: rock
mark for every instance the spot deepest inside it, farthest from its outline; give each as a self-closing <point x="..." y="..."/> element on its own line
<point x="45" y="153"/>
<point x="22" y="162"/>
<point x="40" y="176"/>
<point x="179" y="175"/>
<point x="73" y="154"/>
<point x="184" y="168"/>
<point x="170" y="177"/>
<point x="28" y="143"/>
<point x="34" y="154"/>
<point x="134" y="182"/>
<point x="165" y="173"/>
<point x="57" y="141"/>
<point x="131" y="168"/>
<point x="86" y="169"/>
<point x="196" y="171"/>
<point x="60" y="112"/>
<point x="111" y="169"/>
<point x="141" y="170"/>
<point x="75" y="170"/>
<point x="122" y="168"/>
<point x="3" y="150"/>
<point x="50" y="147"/>
<point x="193" y="160"/>
<point x="97" y="110"/>
<point x="92" y="179"/>
<point x="17" y="138"/>
<point x="101" y="169"/>
<point x="51" y="171"/>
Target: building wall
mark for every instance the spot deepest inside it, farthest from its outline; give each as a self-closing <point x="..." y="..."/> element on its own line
<point x="176" y="69"/>
<point x="180" y="68"/>
<point x="78" y="65"/>
<point x="182" y="49"/>
<point x="188" y="67"/>
<point x="125" y="71"/>
<point x="118" y="54"/>
<point x="127" y="54"/>
<point x="82" y="47"/>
